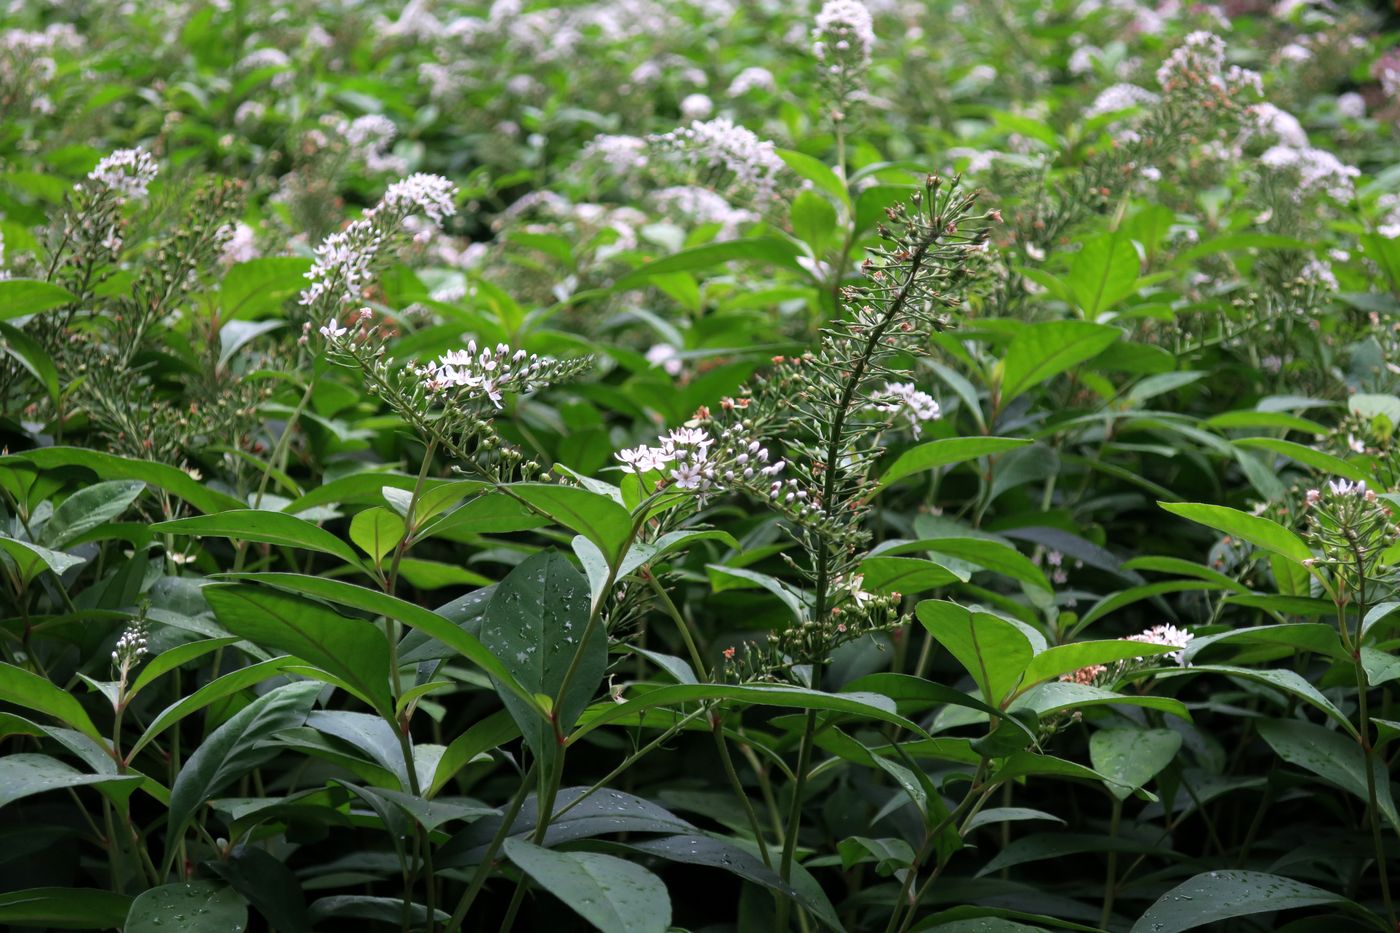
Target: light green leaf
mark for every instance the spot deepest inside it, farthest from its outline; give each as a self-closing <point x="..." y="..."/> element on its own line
<point x="265" y="527"/>
<point x="32" y="560"/>
<point x="23" y="297"/>
<point x="597" y="517"/>
<point x="89" y="507"/>
<point x="30" y="691"/>
<point x="1317" y="459"/>
<point x="947" y="451"/>
<point x="1129" y="758"/>
<point x="64" y="909"/>
<point x="25" y="774"/>
<point x="992" y="650"/>
<point x="1041" y="351"/>
<point x="376" y="531"/>
<point x="1261" y="532"/>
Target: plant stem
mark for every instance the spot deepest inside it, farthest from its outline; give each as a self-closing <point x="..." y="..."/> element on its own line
<point x="794" y="818"/>
<point x="483" y="868"/>
<point x="728" y="762"/>
<point x="1111" y="881"/>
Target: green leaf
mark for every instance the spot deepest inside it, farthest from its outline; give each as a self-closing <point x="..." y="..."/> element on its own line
<point x="217" y="689"/>
<point x="613" y="894"/>
<point x="352" y="650"/>
<point x="1040" y="351"/>
<point x="597" y="517"/>
<point x="260" y="286"/>
<point x="1103" y="273"/>
<point x="906" y="575"/>
<point x="1332" y="756"/>
<point x="64" y="908"/>
<point x="415" y="617"/>
<point x="264" y="527"/>
<point x="753" y="249"/>
<point x="22" y="297"/>
<point x="535" y="624"/>
<point x="1220" y="895"/>
<point x="947" y="451"/>
<point x="110" y="466"/>
<point x="992" y="650"/>
<point x="483" y="736"/>
<point x="1290" y="682"/>
<point x="31" y="354"/>
<point x="1129" y="758"/>
<point x="817" y="172"/>
<point x="1062" y="659"/>
<point x="813" y="220"/>
<point x="866" y="705"/>
<point x="376" y="531"/>
<point x="178" y="656"/>
<point x="985" y="553"/>
<point x="232" y="750"/>
<point x="1318" y="460"/>
<point x="32" y="560"/>
<point x="193" y="906"/>
<point x="1261" y="532"/>
<point x="25" y="774"/>
<point x="89" y="507"/>
<point x="30" y="691"/>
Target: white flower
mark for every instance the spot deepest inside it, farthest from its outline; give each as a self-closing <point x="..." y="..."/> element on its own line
<point x="844" y="30"/>
<point x="334" y="330"/>
<point x="697" y="107"/>
<point x="1120" y="97"/>
<point x="239" y="243"/>
<point x="431" y="194"/>
<point x="665" y="356"/>
<point x="126" y="172"/>
<point x="1282" y="125"/>
<point x="1351" y="104"/>
<point x="1166" y="634"/>
<point x="750" y="79"/>
<point x="753" y="162"/>
<point x="906" y="399"/>
<point x="1317" y="169"/>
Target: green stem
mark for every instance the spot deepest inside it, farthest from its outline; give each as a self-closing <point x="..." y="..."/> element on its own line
<point x="728" y="762"/>
<point x="488" y="859"/>
<point x="794" y="817"/>
<point x="1111" y="881"/>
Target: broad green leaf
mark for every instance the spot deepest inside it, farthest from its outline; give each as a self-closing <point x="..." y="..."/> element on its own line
<point x="535" y="623"/>
<point x="483" y="736"/>
<point x="1332" y="756"/>
<point x="178" y="656"/>
<point x="1063" y="659"/>
<point x="265" y="527"/>
<point x="992" y="650"/>
<point x="947" y="451"/>
<point x="24" y="774"/>
<point x="352" y="650"/>
<point x="1261" y="532"/>
<point x="1220" y="895"/>
<point x="32" y="560"/>
<point x="1130" y="758"/>
<point x="193" y="906"/>
<point x="260" y="286"/>
<point x="23" y="297"/>
<point x="268" y="884"/>
<point x="484" y="515"/>
<point x="597" y="517"/>
<point x="751" y="249"/>
<point x="1055" y="696"/>
<point x="1290" y="682"/>
<point x="1103" y="272"/>
<point x="907" y="575"/>
<point x="232" y="750"/>
<point x="1278" y="420"/>
<point x="63" y="909"/>
<point x="817" y="172"/>
<point x="217" y="689"/>
<point x="613" y="894"/>
<point x="110" y="466"/>
<point x="1317" y="459"/>
<point x="415" y="617"/>
<point x="31" y="355"/>
<point x="30" y="691"/>
<point x="867" y="705"/>
<point x="813" y="220"/>
<point x="376" y="531"/>
<point x="1040" y="351"/>
<point x="89" y="507"/>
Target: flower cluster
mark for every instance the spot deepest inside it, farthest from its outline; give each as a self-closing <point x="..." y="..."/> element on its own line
<point x="1103" y="675"/>
<point x="129" y="648"/>
<point x="690" y="459"/>
<point x="904" y="398"/>
<point x="369" y="138"/>
<point x="723" y="145"/>
<point x="1120" y="97"/>
<point x="127" y="173"/>
<point x="345" y="260"/>
<point x="1166" y="634"/>
<point x="703" y="206"/>
<point x="1314" y="170"/>
<point x="485" y="374"/>
<point x="1199" y="62"/>
<point x="844" y="34"/>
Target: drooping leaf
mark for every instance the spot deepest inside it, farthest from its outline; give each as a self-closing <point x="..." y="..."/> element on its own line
<point x="535" y="623"/>
<point x="196" y="906"/>
<point x="947" y="451"/>
<point x="1132" y="757"/>
<point x="613" y="894"/>
<point x="1255" y="529"/>
<point x="992" y="650"/>
<point x="1041" y="351"/>
<point x="1220" y="895"/>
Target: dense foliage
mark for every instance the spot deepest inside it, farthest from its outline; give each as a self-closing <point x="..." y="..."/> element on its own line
<point x="712" y="465"/>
